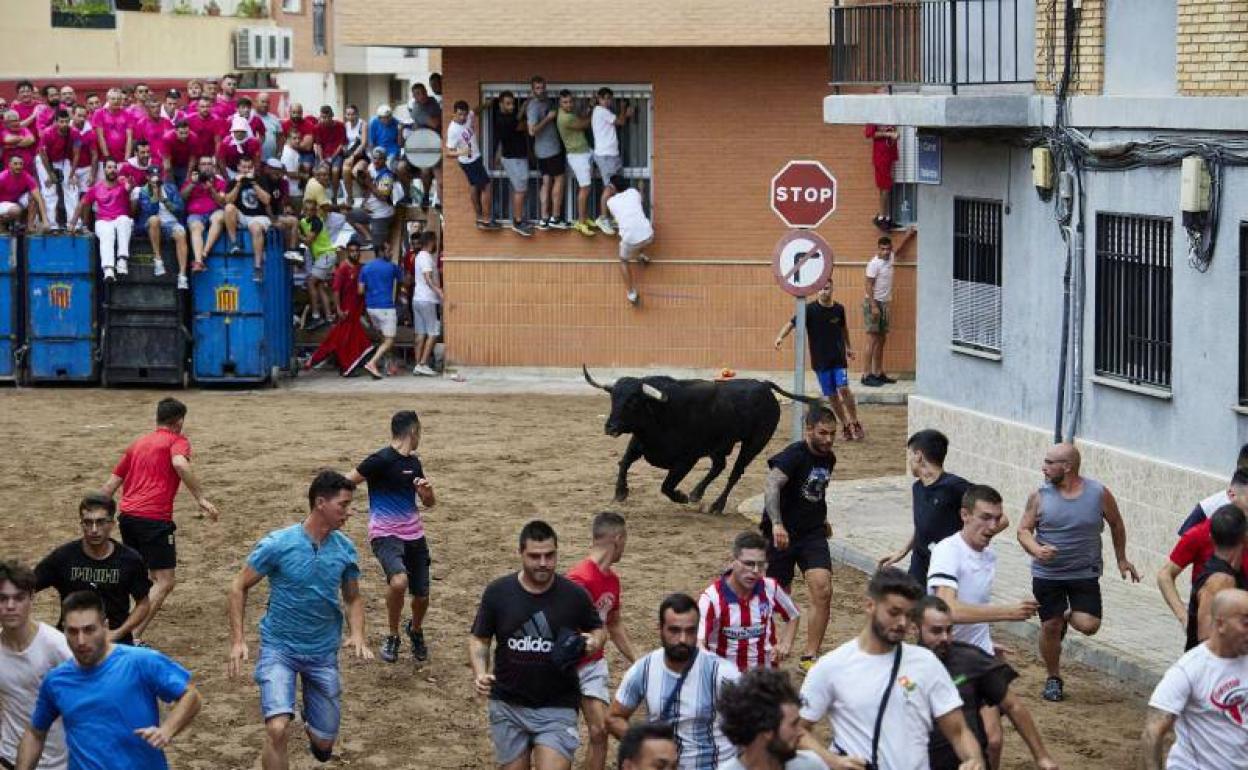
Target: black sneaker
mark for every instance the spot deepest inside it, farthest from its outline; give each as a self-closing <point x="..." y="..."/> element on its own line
<point x="390" y="649"/>
<point x="235" y="248"/>
<point x="559" y="223"/>
<point x="420" y="651"/>
<point x="1053" y="689"/>
<point x="871" y="381"/>
<point x="885" y="379"/>
<point x="543" y="224"/>
<point x="520" y="228"/>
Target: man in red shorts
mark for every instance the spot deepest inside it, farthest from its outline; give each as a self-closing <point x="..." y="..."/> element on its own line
<point x="148" y="475"/>
<point x="595" y="575"/>
<point x="883" y="155"/>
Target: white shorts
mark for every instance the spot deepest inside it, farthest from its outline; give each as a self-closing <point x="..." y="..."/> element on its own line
<point x="259" y="219"/>
<point x="385" y="321"/>
<point x="580" y="163"/>
<point x="629" y="251"/>
<point x="322" y="268"/>
<point x="7" y="208"/>
<point x="594" y="680"/>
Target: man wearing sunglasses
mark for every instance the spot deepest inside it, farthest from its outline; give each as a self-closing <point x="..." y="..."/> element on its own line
<point x="96" y="562"/>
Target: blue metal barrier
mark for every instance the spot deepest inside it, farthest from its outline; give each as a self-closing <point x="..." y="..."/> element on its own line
<point x="60" y="308"/>
<point x="10" y="339"/>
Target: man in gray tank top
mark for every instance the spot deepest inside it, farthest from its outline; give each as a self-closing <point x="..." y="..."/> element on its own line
<point x="1061" y="530"/>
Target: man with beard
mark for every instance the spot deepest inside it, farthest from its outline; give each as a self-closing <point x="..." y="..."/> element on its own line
<point x="107" y="696"/>
<point x="760" y="715"/>
<point x="982" y="681"/>
<point x="884" y="696"/>
<point x="1202" y="697"/>
<point x="1061" y="531"/>
<point x="113" y="132"/>
<point x="113" y="225"/>
<point x="541" y="624"/>
<point x="679" y="684"/>
<point x="59" y="148"/>
<point x="96" y="562"/>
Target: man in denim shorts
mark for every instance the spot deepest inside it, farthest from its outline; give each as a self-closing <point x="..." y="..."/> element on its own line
<point x="308" y="565"/>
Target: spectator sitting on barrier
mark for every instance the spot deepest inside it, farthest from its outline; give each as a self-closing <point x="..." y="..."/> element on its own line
<point x="376" y="213"/>
<point x="110" y="199"/>
<point x="329" y="139"/>
<point x="247" y="203"/>
<point x="353" y="153"/>
<point x="238" y="145"/>
<point x="314" y="234"/>
<point x="296" y="176"/>
<point x="160" y="206"/>
<point x="134" y="170"/>
<point x="379" y="281"/>
<point x="18" y="190"/>
<point x="204" y="193"/>
<point x="281" y="211"/>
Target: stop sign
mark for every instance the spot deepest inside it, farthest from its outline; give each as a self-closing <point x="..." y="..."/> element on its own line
<point x="803" y="194"/>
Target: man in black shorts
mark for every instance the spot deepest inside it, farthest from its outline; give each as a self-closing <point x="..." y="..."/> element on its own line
<point x="396" y="530"/>
<point x="541" y="624"/>
<point x="96" y="562"/>
<point x="982" y="681"/>
<point x="795" y="520"/>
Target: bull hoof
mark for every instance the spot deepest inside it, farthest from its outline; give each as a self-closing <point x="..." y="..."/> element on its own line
<point x="621" y="495"/>
<point x="717" y="507"/>
<point x="678" y="497"/>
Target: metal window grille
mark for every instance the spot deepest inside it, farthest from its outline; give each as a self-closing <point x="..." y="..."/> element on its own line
<point x="636" y="143"/>
<point x="319" y="43"/>
<point x="1134" y="267"/>
<point x="976" y="305"/>
<point x="1243" y="314"/>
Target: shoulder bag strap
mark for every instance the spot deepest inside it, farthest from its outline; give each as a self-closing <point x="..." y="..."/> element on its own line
<point x="879" y="717"/>
<point x="665" y="713"/>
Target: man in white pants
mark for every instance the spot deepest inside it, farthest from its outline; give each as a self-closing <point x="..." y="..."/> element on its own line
<point x="111" y="199"/>
<point x="636" y="232"/>
<point x="60" y="146"/>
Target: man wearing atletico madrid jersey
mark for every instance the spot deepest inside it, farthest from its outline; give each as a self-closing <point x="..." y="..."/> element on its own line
<point x="396" y="530"/>
<point x="739" y="610"/>
<point x="596" y="576"/>
<point x="148" y="475"/>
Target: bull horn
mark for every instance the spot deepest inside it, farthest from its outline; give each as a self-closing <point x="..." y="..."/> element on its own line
<point x="653" y="392"/>
<point x="590" y="380"/>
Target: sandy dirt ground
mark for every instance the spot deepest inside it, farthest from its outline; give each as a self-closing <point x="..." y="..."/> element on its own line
<point x="496" y="461"/>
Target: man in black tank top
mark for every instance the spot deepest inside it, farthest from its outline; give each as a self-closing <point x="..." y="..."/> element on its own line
<point x="1228" y="527"/>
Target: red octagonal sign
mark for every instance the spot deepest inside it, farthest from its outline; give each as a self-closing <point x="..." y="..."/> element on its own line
<point x="803" y="194"/>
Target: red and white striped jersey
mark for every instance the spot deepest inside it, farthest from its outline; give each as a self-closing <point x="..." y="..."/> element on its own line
<point x="742" y="629"/>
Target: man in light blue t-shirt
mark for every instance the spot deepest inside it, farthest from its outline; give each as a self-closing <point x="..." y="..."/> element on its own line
<point x="308" y="566"/>
<point x="107" y="697"/>
<point x="379" y="281"/>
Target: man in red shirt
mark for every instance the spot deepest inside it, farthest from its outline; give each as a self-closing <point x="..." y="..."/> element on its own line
<point x="347" y="341"/>
<point x="329" y="138"/>
<point x="1196" y="547"/>
<point x="180" y="156"/>
<point x="148" y="475"/>
<point x="596" y="576"/>
<point x="305" y="127"/>
<point x="206" y="127"/>
<point x="883" y="156"/>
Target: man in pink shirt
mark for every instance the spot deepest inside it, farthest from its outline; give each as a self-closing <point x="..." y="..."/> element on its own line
<point x="138" y="104"/>
<point x="17" y="139"/>
<point x="207" y="129"/>
<point x="25" y="103"/>
<point x="59" y="147"/>
<point x="112" y="129"/>
<point x="169" y="108"/>
<point x="239" y="144"/>
<point x="225" y="102"/>
<point x="135" y="170"/>
<point x="111" y="199"/>
<point x="18" y="190"/>
<point x="305" y="127"/>
<point x="88" y="149"/>
<point x="45" y="113"/>
<point x="204" y="193"/>
<point x="152" y="128"/>
<point x="179" y="152"/>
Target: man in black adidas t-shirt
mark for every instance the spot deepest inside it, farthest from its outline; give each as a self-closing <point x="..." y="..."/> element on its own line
<point x="541" y="624"/>
<point x="98" y="563"/>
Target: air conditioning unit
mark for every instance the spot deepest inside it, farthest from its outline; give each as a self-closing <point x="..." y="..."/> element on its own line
<point x="251" y="48"/>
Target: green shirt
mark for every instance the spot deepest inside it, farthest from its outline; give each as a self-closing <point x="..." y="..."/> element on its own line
<point x="321" y="244"/>
<point x="574" y="140"/>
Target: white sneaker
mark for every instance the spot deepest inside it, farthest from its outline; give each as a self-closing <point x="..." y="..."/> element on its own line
<point x="429" y="370"/>
<point x="633" y="297"/>
<point x="293" y="256"/>
<point x="109" y="275"/>
<point x="158" y="267"/>
<point x="183" y="284"/>
<point x="604" y="224"/>
<point x="123" y="266"/>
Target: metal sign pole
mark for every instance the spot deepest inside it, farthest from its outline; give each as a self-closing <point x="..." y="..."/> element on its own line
<point x="799" y="364"/>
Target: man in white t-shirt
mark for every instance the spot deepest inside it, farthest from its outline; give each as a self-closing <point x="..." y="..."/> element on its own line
<point x="679" y="684"/>
<point x="875" y="307"/>
<point x="1203" y="697"/>
<point x="463" y="142"/>
<point x="1205" y="508"/>
<point x="636" y="232"/>
<point x="28" y="651"/>
<point x="604" y="121"/>
<point x="426" y="296"/>
<point x="760" y="714"/>
<point x="877" y="671"/>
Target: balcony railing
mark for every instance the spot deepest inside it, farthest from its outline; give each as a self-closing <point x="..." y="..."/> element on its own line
<point x="933" y="43"/>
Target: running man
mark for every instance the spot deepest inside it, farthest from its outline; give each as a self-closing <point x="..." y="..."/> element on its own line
<point x="397" y="491"/>
<point x="540" y="624"/>
<point x="795" y="520"/>
<point x="679" y="683"/>
<point x="107" y="696"/>
<point x="760" y="714"/>
<point x="739" y="610"/>
<point x="308" y="565"/>
<point x="827" y="334"/>
<point x="28" y="651"/>
<point x="1061" y="531"/>
<point x="148" y="475"/>
<point x="595" y="574"/>
<point x="1223" y="570"/>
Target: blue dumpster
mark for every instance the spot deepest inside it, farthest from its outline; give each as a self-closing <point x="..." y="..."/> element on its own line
<point x="60" y="308"/>
<point x="9" y="334"/>
<point x="242" y="328"/>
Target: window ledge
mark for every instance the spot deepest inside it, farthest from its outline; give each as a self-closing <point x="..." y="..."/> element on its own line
<point x="1143" y="390"/>
<point x="1240" y="409"/>
<point x="987" y="355"/>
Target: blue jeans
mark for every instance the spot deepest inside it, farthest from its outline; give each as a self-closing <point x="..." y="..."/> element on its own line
<point x="276" y="671"/>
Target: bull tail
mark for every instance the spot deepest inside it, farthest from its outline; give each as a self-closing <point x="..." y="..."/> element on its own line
<point x="793" y="397"/>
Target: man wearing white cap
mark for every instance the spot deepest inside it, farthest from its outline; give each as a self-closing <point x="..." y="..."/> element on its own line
<point x="239" y="144"/>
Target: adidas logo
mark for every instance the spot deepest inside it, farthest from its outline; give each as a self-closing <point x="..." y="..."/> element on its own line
<point x="529" y="644"/>
<point x="537" y="636"/>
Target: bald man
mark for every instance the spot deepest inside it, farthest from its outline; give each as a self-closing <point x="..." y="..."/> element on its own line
<point x="1202" y="697"/>
<point x="1061" y="530"/>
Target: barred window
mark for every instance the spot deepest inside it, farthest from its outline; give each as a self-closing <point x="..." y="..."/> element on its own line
<point x="636" y="142"/>
<point x="976" y="305"/>
<point x="1134" y="265"/>
<point x="319" y="44"/>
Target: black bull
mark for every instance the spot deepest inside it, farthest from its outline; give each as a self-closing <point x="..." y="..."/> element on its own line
<point x="675" y="423"/>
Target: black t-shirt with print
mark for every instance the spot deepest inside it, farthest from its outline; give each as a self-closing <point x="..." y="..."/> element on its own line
<point x="803" y="509"/>
<point x="982" y="680"/>
<point x="117" y="579"/>
<point x="825" y="328"/>
<point x="515" y="143"/>
<point x="248" y="202"/>
<point x="526" y="628"/>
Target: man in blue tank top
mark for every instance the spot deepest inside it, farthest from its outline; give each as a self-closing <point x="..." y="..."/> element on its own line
<point x="1061" y="530"/>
